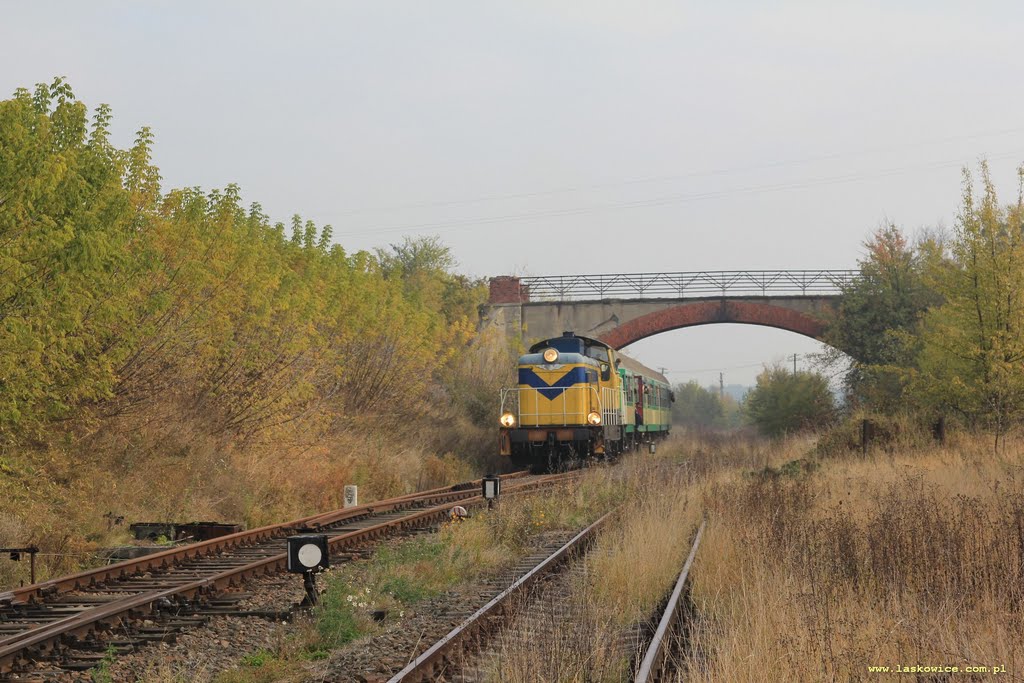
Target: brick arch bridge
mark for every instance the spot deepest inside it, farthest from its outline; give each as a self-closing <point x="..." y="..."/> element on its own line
<point x="625" y="308"/>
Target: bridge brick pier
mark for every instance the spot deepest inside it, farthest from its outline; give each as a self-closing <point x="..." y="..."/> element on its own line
<point x="624" y="308"/>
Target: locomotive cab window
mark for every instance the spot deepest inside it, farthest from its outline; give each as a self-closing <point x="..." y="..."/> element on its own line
<point x="566" y="345"/>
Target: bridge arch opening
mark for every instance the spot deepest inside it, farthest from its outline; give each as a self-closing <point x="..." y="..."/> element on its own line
<point x="732" y="354"/>
<point x="709" y="312"/>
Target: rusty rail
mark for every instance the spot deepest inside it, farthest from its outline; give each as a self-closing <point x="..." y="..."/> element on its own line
<point x="168" y="558"/>
<point x="87" y="622"/>
<point x="653" y="664"/>
<point x="48" y="638"/>
<point x="444" y="652"/>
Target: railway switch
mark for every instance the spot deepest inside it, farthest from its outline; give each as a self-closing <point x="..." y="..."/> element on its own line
<point x="307" y="555"/>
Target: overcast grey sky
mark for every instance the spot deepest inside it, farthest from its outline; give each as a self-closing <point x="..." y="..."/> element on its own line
<point x="563" y="137"/>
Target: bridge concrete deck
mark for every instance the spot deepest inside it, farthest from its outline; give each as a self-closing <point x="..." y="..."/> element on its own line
<point x="623" y="321"/>
<point x="620" y="322"/>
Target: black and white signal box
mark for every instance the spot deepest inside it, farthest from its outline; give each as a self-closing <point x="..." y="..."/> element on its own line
<point x="491" y="489"/>
<point x="308" y="553"/>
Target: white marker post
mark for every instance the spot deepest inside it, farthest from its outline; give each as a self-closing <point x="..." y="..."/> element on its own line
<point x="351" y="496"/>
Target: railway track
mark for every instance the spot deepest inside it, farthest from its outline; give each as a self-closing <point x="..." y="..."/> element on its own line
<point x="468" y="654"/>
<point x="457" y="650"/>
<point x="656" y="661"/>
<point x="70" y="623"/>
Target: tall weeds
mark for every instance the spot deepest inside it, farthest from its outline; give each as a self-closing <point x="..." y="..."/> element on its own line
<point x="891" y="560"/>
<point x="618" y="586"/>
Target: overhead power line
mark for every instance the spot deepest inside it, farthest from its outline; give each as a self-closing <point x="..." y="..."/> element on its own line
<point x="676" y="176"/>
<point x="722" y="369"/>
<point x="662" y="201"/>
<point x="790" y="356"/>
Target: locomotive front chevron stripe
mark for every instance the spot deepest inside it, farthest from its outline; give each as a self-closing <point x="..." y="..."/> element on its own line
<point x="551" y="391"/>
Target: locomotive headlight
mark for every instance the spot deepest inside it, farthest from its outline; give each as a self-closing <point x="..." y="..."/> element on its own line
<point x="550" y="355"/>
<point x="594" y="418"/>
<point x="508" y="420"/>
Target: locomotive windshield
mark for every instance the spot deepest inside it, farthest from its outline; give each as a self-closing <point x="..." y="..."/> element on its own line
<point x="570" y="343"/>
<point x="566" y="344"/>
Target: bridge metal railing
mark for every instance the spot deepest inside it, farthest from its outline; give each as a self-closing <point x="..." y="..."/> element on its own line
<point x="688" y="284"/>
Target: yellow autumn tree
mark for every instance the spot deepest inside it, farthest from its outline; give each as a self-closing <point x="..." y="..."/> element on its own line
<point x="972" y="355"/>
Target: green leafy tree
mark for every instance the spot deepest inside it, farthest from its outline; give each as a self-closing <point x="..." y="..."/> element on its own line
<point x="118" y="299"/>
<point x="416" y="255"/>
<point x="703" y="408"/>
<point x="878" y="320"/>
<point x="784" y="402"/>
<point x="181" y="336"/>
<point x="68" y="227"/>
<point x="972" y="346"/>
<point x="424" y="265"/>
<point x="695" y="406"/>
<point x="732" y="412"/>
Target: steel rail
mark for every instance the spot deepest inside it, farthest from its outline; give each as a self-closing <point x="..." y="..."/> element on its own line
<point x="653" y="664"/>
<point x="428" y="665"/>
<point x="85" y="620"/>
<point x="165" y="559"/>
<point x="48" y="637"/>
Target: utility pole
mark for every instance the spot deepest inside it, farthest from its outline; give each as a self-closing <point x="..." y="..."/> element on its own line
<point x="721" y="386"/>
<point x="794" y="363"/>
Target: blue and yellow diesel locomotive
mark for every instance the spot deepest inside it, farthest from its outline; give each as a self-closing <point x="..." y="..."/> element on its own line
<point x="578" y="398"/>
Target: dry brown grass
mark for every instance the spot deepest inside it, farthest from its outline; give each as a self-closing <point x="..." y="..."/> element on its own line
<point x="642" y="553"/>
<point x="913" y="559"/>
<point x="811" y="569"/>
<point x="635" y="561"/>
<point x="64" y="502"/>
<point x="174" y="458"/>
<point x="550" y="641"/>
<point x="400" y="576"/>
